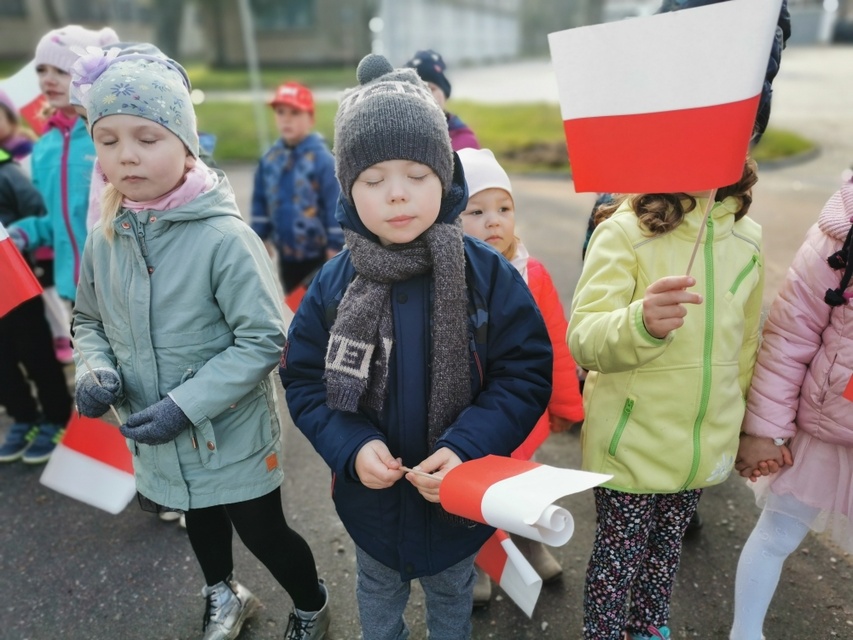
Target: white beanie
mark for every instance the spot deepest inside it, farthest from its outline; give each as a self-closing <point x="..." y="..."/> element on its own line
<point x="54" y="48"/>
<point x="482" y="171"/>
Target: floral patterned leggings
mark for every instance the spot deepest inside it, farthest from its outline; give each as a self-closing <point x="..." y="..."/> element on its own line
<point x="637" y="549"/>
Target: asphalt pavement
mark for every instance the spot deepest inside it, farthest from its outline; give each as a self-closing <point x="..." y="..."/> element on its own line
<point x="70" y="571"/>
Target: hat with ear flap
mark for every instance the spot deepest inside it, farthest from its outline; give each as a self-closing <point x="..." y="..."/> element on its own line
<point x="391" y="115"/>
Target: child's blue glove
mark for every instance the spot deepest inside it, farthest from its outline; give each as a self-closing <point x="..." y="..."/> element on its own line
<point x="94" y="399"/>
<point x="158" y="424"/>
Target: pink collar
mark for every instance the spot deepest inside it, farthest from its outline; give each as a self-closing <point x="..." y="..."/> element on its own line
<point x="198" y="180"/>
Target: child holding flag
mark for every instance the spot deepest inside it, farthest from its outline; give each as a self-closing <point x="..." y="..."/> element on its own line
<point x="416" y="346"/>
<point x="669" y="371"/>
<point x="194" y="387"/>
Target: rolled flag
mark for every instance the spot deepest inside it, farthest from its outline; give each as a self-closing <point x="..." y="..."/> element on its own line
<point x="504" y="563"/>
<point x="516" y="495"/>
<point x="23" y="89"/>
<point x="19" y="283"/>
<point x="663" y="103"/>
<point x="92" y="464"/>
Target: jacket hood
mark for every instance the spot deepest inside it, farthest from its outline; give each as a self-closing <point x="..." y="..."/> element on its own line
<point x="218" y="201"/>
<point x="837" y="213"/>
<point x="452" y="205"/>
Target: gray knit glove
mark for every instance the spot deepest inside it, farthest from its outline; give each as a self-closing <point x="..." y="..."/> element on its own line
<point x="94" y="399"/>
<point x="158" y="424"/>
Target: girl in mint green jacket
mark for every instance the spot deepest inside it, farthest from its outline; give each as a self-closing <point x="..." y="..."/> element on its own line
<point x="670" y="359"/>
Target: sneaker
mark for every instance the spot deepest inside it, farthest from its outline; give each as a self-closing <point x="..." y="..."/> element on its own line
<point x="44" y="442"/>
<point x="169" y="515"/>
<point x="482" y="589"/>
<point x="182" y="521"/>
<point x="229" y="605"/>
<point x="309" y="625"/>
<point x="18" y="440"/>
<point x="661" y="633"/>
<point x="63" y="350"/>
<point x="539" y="557"/>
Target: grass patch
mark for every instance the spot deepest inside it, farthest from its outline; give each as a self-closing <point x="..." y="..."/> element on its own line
<point x="526" y="138"/>
<point x="207" y="78"/>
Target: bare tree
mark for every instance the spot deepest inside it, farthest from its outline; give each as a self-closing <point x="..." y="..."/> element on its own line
<point x="51" y="13"/>
<point x="168" y="19"/>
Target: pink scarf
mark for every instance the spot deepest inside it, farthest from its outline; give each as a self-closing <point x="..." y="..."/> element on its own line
<point x="61" y="120"/>
<point x="198" y="180"/>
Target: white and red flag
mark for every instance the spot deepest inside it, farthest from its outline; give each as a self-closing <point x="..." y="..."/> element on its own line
<point x="23" y="90"/>
<point x="663" y="103"/>
<point x="516" y="496"/>
<point x="505" y="564"/>
<point x="19" y="283"/>
<point x="92" y="464"/>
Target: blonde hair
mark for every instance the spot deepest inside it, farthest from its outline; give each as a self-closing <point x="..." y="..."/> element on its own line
<point x="111" y="199"/>
<point x="512" y="247"/>
<point x="660" y="213"/>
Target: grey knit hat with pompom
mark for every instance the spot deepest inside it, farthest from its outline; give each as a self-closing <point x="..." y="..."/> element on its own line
<point x="391" y="115"/>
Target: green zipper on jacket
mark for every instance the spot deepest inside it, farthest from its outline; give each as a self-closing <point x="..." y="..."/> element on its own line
<point x="707" y="347"/>
<point x="742" y="275"/>
<point x="620" y="426"/>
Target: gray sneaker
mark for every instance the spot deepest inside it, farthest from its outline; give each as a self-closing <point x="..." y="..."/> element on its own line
<point x="229" y="605"/>
<point x="309" y="625"/>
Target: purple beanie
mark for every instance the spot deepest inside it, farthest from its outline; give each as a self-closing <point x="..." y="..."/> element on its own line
<point x="55" y="46"/>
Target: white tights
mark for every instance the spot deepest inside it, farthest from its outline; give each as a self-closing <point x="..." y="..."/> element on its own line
<point x="775" y="537"/>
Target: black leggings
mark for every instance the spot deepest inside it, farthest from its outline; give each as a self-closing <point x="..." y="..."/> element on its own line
<point x="261" y="526"/>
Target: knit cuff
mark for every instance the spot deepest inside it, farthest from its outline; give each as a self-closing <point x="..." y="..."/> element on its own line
<point x="343" y="398"/>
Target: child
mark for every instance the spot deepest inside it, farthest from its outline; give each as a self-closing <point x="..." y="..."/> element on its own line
<point x="295" y="193"/>
<point x="431" y="67"/>
<point x="32" y="383"/>
<point x="801" y="395"/>
<point x="61" y="165"/>
<point x="669" y="369"/>
<point x="14" y="139"/>
<point x="490" y="217"/>
<point x="178" y="314"/>
<point x="416" y="346"/>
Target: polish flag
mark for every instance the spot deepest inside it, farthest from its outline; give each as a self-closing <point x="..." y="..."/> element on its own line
<point x="505" y="564"/>
<point x="19" y="283"/>
<point x="663" y="103"/>
<point x="516" y="496"/>
<point x="92" y="464"/>
<point x="23" y="89"/>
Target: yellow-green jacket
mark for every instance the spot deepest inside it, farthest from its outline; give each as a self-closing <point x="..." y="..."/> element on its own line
<point x="663" y="415"/>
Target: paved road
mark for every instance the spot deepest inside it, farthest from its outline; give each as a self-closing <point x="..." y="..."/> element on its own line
<point x="68" y="571"/>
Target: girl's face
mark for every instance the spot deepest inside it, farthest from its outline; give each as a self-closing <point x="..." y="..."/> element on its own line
<point x="490" y="216"/>
<point x="397" y="199"/>
<point x="54" y="84"/>
<point x="7" y="126"/>
<point x="293" y="124"/>
<point x="142" y="159"/>
<point x="438" y="94"/>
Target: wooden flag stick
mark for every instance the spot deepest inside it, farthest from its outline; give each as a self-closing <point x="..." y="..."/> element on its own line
<point x="708" y="206"/>
<point x="92" y="371"/>
<point x="419" y="473"/>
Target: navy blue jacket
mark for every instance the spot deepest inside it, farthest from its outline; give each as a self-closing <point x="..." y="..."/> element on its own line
<point x="510" y="364"/>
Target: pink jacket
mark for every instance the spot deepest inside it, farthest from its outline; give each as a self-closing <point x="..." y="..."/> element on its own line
<point x="806" y="360"/>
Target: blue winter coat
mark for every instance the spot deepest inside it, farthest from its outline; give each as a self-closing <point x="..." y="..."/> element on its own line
<point x="294" y="198"/>
<point x="510" y="364"/>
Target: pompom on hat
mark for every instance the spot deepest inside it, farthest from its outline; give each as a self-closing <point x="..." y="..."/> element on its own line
<point x="483" y="171"/>
<point x="431" y="67"/>
<point x="54" y="48"/>
<point x="391" y="115"/>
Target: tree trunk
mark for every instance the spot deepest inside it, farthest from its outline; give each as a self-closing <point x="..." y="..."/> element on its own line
<point x="169" y="17"/>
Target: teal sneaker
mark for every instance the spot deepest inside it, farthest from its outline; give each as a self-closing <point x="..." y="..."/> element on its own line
<point x="44" y="443"/>
<point x="18" y="440"/>
<point x="661" y="633"/>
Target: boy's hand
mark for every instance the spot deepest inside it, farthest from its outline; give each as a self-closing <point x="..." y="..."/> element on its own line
<point x="376" y="467"/>
<point x="437" y="465"/>
<point x="663" y="304"/>
<point x="759" y="456"/>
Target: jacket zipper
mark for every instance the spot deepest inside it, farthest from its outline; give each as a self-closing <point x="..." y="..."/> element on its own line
<point x="66" y="215"/>
<point x="476" y="356"/>
<point x="620" y="426"/>
<point x="744" y="272"/>
<point x="707" y="347"/>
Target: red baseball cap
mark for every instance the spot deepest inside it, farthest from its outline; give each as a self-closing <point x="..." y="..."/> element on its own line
<point x="293" y="94"/>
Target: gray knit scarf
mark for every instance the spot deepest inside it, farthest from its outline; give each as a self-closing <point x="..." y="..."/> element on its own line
<point x="362" y="336"/>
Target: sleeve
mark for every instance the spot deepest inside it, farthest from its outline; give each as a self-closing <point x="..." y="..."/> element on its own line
<point x="566" y="401"/>
<point x="606" y="330"/>
<point x="792" y="336"/>
<point x="19" y="196"/>
<point x="38" y="230"/>
<point x="336" y="435"/>
<point x="245" y="290"/>
<point x="516" y="373"/>
<point x="751" y="331"/>
<point x="330" y="191"/>
<point x="261" y="223"/>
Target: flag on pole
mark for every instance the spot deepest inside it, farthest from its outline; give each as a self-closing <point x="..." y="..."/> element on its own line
<point x="663" y="103"/>
<point x="504" y="563"/>
<point x="92" y="464"/>
<point x="516" y="495"/>
<point x="23" y="89"/>
<point x="19" y="283"/>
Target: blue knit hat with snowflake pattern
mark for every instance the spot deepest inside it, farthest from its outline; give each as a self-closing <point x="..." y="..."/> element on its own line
<point x="139" y="85"/>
